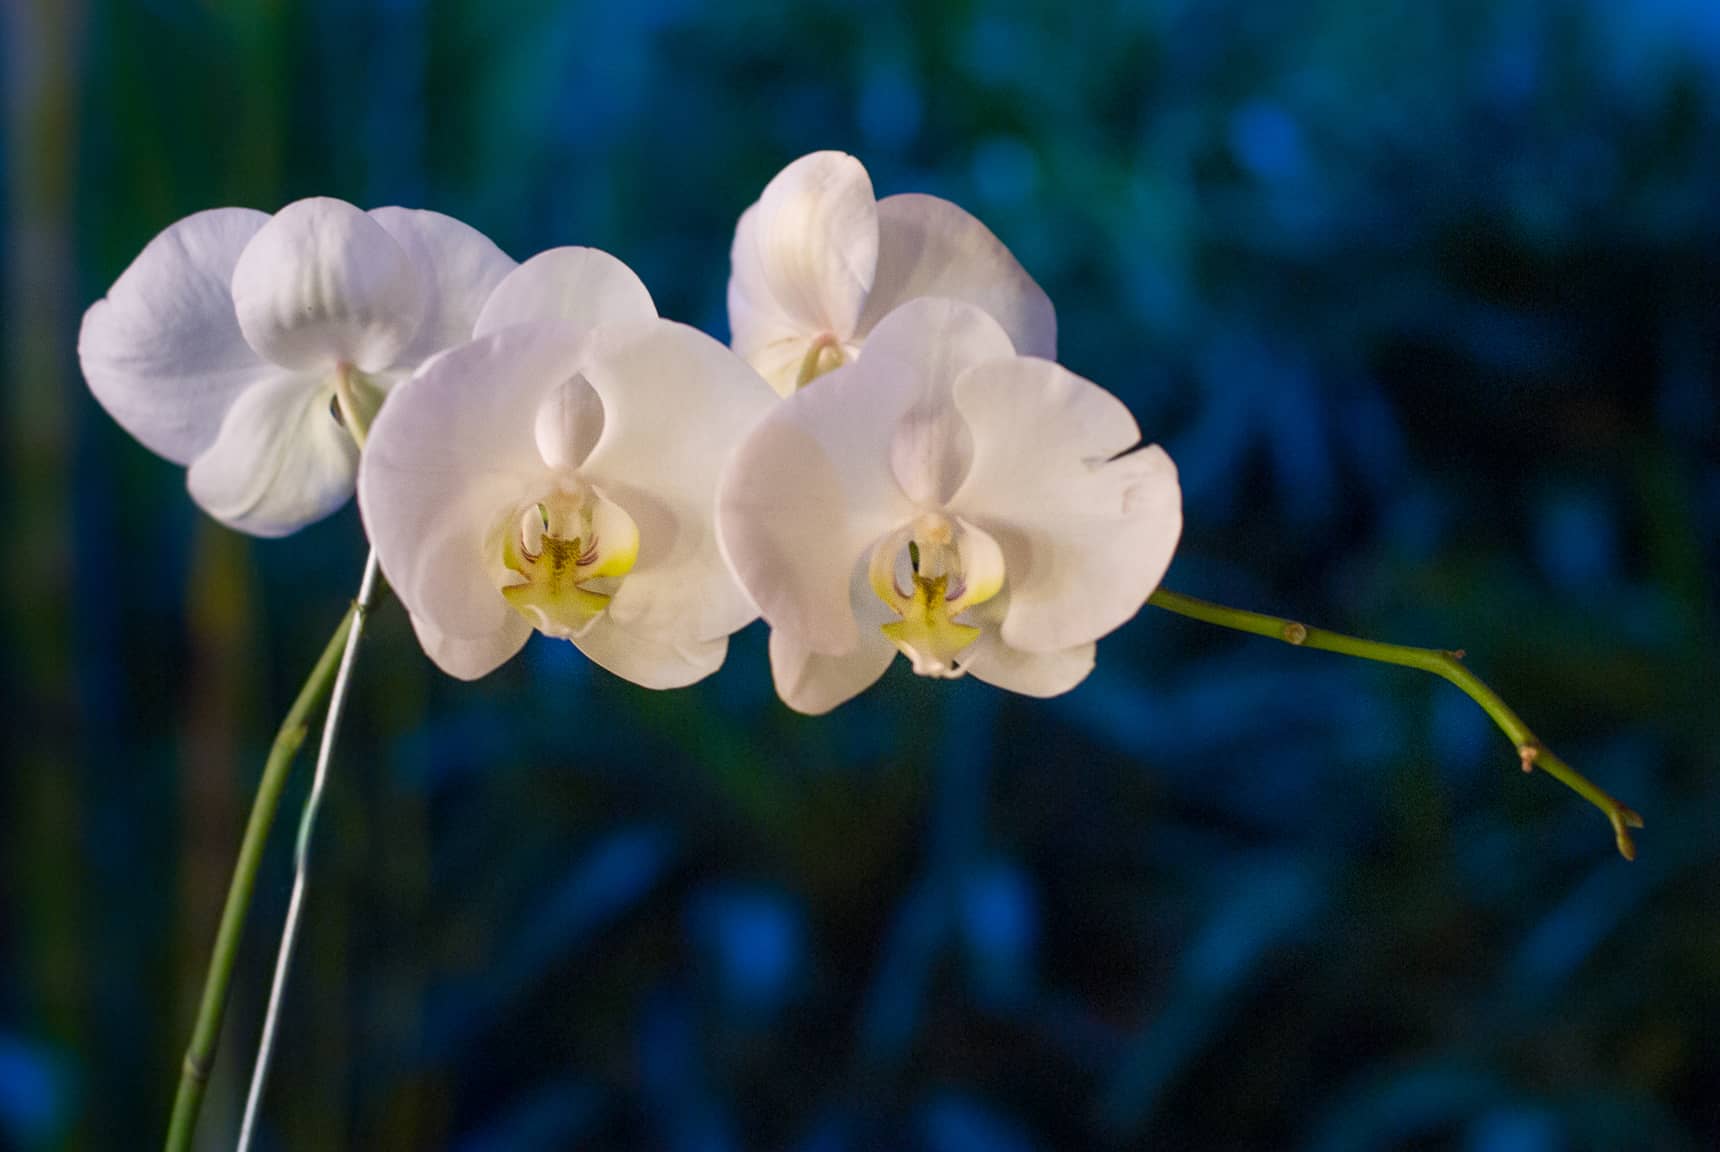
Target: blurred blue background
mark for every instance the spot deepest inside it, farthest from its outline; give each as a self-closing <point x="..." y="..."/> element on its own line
<point x="1424" y="300"/>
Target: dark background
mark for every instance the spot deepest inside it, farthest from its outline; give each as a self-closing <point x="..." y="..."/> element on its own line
<point x="1423" y="298"/>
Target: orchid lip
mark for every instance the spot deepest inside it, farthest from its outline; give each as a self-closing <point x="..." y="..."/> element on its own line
<point x="951" y="566"/>
<point x="566" y="558"/>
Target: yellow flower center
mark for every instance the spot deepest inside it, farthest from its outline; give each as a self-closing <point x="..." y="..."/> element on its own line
<point x="950" y="566"/>
<point x="566" y="557"/>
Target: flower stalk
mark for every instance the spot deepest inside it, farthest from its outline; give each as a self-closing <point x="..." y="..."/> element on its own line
<point x="369" y="589"/>
<point x="206" y="1033"/>
<point x="1448" y="665"/>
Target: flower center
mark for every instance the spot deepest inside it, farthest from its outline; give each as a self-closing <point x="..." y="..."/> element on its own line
<point x="565" y="557"/>
<point x="949" y="566"/>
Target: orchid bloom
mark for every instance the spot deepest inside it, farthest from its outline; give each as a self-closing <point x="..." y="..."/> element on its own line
<point x="818" y="262"/>
<point x="942" y="496"/>
<point x="557" y="473"/>
<point x="234" y="340"/>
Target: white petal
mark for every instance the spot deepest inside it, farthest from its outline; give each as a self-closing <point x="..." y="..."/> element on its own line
<point x="930" y="247"/>
<point x="927" y="344"/>
<point x="1086" y="538"/>
<point x="780" y="361"/>
<point x="1040" y="674"/>
<point x="472" y="658"/>
<point x="457" y="268"/>
<point x="451" y="453"/>
<point x="675" y="404"/>
<point x="931" y="451"/>
<point x="813" y="683"/>
<point x="814" y="486"/>
<point x="804" y="255"/>
<point x="932" y="341"/>
<point x="324" y="283"/>
<point x="648" y="661"/>
<point x="280" y="461"/>
<point x="568" y="423"/>
<point x="583" y="288"/>
<point x="163" y="352"/>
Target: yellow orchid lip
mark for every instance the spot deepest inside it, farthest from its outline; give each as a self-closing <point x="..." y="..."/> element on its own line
<point x="570" y="551"/>
<point x="952" y="566"/>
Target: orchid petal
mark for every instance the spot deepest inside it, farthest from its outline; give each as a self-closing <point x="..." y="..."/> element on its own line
<point x="1040" y="674"/>
<point x="583" y="288"/>
<point x="804" y="256"/>
<point x="457" y="266"/>
<point x="280" y="461"/>
<point x="162" y="351"/>
<point x="812" y="682"/>
<point x="568" y="424"/>
<point x="450" y="456"/>
<point x="675" y="402"/>
<point x="924" y="346"/>
<point x="322" y="284"/>
<point x="650" y="661"/>
<point x="475" y="657"/>
<point x="1086" y="534"/>
<point x="930" y="247"/>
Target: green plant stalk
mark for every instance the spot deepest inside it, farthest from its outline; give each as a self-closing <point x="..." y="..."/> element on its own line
<point x="1531" y="753"/>
<point x="206" y="1034"/>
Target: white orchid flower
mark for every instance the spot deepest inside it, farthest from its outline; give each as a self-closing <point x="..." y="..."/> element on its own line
<point x="818" y="262"/>
<point x="223" y="344"/>
<point x="941" y="496"/>
<point x="558" y="473"/>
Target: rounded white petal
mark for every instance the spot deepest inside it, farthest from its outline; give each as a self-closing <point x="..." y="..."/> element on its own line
<point x="1086" y="534"/>
<point x="162" y="351"/>
<point x="451" y="454"/>
<point x="675" y="404"/>
<point x="457" y="268"/>
<point x="323" y="283"/>
<point x="1040" y="674"/>
<point x="929" y="342"/>
<point x="583" y="288"/>
<point x="815" y="485"/>
<point x="926" y="345"/>
<point x="813" y="682"/>
<point x="779" y="358"/>
<point x="471" y="658"/>
<point x="650" y="661"/>
<point x="804" y="255"/>
<point x="280" y="461"/>
<point x="568" y="423"/>
<point x="930" y="247"/>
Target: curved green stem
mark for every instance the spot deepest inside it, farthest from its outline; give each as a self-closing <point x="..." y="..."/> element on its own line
<point x="1446" y="665"/>
<point x="206" y="1034"/>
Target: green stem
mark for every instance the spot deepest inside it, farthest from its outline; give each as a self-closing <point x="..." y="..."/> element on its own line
<point x="1446" y="665"/>
<point x="206" y="1034"/>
